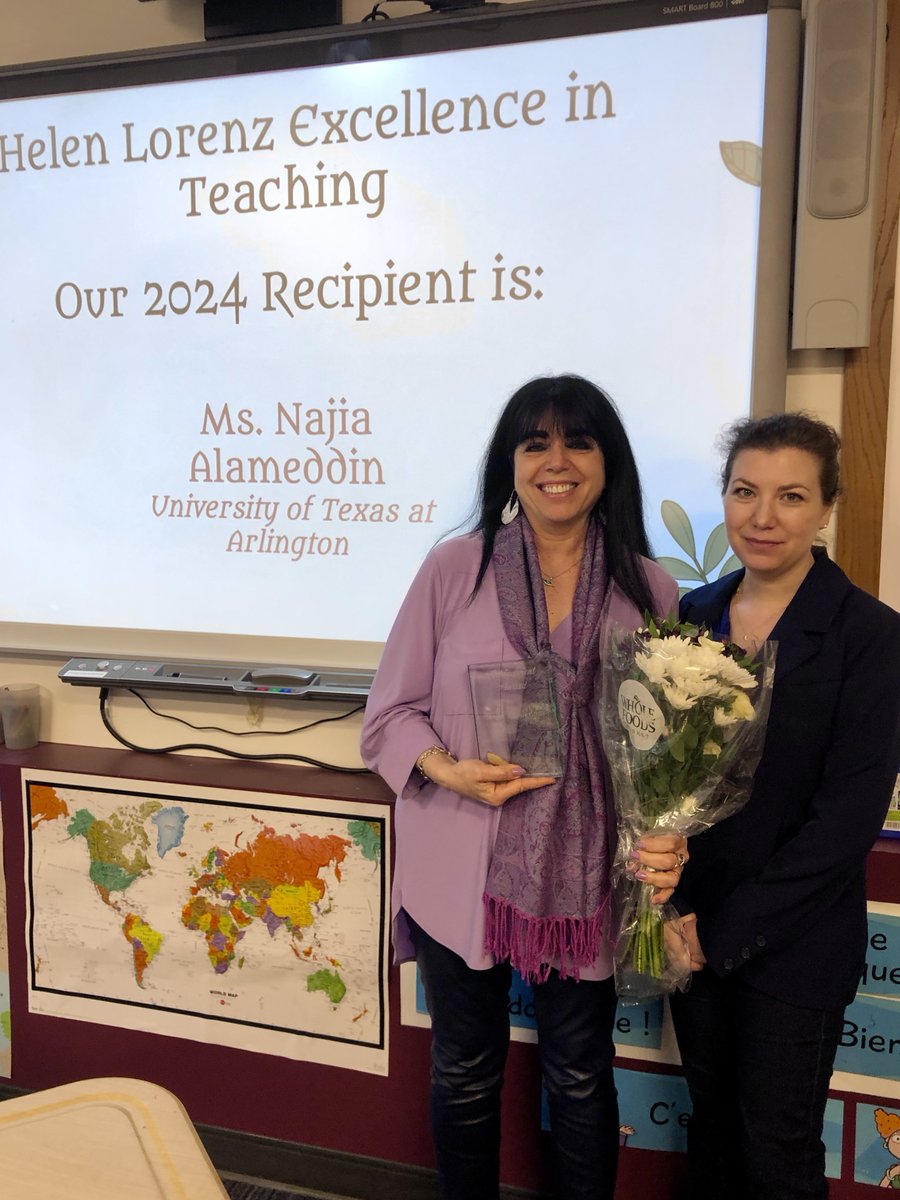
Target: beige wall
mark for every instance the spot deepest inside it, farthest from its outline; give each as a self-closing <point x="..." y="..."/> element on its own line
<point x="45" y="29"/>
<point x="48" y="29"/>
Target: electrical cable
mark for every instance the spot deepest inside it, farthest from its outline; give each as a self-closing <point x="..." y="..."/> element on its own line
<point x="376" y="14"/>
<point x="242" y="732"/>
<point x="312" y="762"/>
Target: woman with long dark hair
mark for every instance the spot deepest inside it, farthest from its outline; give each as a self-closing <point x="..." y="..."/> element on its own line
<point x="496" y="868"/>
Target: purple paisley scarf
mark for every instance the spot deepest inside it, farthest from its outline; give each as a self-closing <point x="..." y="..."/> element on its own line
<point x="547" y="890"/>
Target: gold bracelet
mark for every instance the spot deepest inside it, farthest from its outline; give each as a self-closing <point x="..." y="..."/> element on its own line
<point x="426" y="753"/>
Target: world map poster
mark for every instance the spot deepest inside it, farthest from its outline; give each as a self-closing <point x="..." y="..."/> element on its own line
<point x="251" y="920"/>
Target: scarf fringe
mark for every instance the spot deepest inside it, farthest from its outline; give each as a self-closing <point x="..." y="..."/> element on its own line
<point x="534" y="945"/>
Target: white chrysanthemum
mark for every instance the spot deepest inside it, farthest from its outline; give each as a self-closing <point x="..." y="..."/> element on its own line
<point x="733" y="673"/>
<point x="679" y="698"/>
<point x="654" y="666"/>
<point x="710" y="644"/>
<point x="711" y="749"/>
<point x="697" y="668"/>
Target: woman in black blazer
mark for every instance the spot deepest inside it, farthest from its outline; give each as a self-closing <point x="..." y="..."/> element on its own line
<point x="773" y="900"/>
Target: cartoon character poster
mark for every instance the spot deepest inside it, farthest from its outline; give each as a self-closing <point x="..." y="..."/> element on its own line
<point x="888" y="1126"/>
<point x="878" y="1146"/>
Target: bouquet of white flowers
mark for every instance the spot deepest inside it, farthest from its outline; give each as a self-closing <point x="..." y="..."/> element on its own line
<point x="683" y="720"/>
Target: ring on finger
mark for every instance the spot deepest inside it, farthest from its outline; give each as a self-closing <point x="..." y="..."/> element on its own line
<point x="680" y="860"/>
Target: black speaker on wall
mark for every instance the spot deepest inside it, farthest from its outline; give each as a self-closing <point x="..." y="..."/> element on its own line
<point x="235" y="18"/>
<point x="843" y="98"/>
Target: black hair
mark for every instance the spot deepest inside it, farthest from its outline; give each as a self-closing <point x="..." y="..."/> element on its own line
<point x="795" y="431"/>
<point x="571" y="405"/>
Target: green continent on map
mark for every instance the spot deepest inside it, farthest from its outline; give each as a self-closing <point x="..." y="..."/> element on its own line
<point x="117" y="847"/>
<point x="5" y="1028"/>
<point x="328" y="982"/>
<point x="145" y="943"/>
<point x="366" y="835"/>
<point x="276" y="880"/>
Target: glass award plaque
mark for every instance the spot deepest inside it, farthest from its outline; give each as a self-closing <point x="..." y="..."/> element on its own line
<point x="516" y="715"/>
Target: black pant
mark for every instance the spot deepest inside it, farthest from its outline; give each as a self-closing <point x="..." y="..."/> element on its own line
<point x="757" y="1071"/>
<point x="470" y="1037"/>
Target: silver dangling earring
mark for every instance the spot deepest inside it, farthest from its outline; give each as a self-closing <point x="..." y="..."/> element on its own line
<point x="510" y="510"/>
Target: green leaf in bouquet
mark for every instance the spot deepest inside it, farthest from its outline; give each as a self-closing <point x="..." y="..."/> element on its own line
<point x="662" y="781"/>
<point x="676" y="747"/>
<point x="678" y="524"/>
<point x="650" y="777"/>
<point x="690" y="735"/>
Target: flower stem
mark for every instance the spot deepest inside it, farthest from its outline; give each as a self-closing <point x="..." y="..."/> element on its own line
<point x="647" y="949"/>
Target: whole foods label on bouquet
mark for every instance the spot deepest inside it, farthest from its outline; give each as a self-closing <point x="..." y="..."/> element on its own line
<point x="640" y="715"/>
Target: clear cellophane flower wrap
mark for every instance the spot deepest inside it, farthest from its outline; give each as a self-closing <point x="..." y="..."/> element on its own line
<point x="683" y="720"/>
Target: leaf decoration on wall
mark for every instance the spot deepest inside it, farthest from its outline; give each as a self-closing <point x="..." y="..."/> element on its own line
<point x="743" y="160"/>
<point x="716" y="548"/>
<point x="731" y="564"/>
<point x="679" y="569"/>
<point x="678" y="523"/>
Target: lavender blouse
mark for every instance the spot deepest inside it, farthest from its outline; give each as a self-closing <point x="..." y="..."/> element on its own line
<point x="420" y="698"/>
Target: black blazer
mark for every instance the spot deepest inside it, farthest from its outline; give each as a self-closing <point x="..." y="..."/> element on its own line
<point x="779" y="888"/>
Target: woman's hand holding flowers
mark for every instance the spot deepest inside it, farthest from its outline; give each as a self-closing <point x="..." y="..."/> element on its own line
<point x="658" y="860"/>
<point x="481" y="781"/>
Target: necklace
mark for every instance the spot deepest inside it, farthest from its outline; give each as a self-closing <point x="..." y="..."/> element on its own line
<point x="767" y="619"/>
<point x="550" y="580"/>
